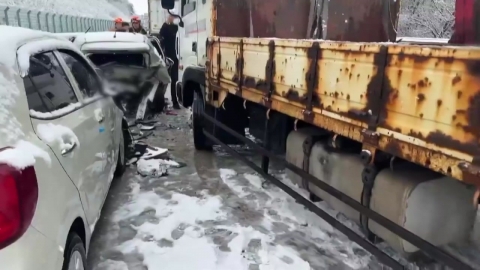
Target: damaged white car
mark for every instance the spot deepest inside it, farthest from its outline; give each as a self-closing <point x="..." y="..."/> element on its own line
<point x="131" y="65"/>
<point x="61" y="142"/>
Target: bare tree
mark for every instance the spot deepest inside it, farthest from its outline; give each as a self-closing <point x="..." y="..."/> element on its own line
<point x="426" y="18"/>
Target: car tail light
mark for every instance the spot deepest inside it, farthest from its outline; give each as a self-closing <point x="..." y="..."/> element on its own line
<point x="18" y="200"/>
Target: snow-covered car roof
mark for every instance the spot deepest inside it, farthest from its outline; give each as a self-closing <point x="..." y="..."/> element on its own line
<point x="14" y="37"/>
<point x="114" y="46"/>
<point x="109" y="36"/>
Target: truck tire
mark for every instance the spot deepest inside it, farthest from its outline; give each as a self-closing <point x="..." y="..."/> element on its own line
<point x="199" y="139"/>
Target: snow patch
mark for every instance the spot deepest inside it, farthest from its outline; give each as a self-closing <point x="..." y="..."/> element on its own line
<point x="191" y="248"/>
<point x="112" y="265"/>
<point x="48" y="115"/>
<point x="38" y="46"/>
<point x="227" y="173"/>
<point x="114" y="46"/>
<point x="57" y="134"/>
<point x="23" y="155"/>
<point x="280" y="207"/>
<point x="10" y="127"/>
<point x="270" y="256"/>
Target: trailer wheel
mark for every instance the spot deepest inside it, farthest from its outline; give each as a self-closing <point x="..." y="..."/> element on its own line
<point x="199" y="139"/>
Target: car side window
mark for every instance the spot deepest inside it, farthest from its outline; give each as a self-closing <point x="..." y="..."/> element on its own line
<point x="46" y="85"/>
<point x="85" y="77"/>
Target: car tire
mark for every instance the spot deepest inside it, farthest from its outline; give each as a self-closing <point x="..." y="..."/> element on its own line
<point x="200" y="141"/>
<point x="122" y="157"/>
<point x="158" y="104"/>
<point x="74" y="253"/>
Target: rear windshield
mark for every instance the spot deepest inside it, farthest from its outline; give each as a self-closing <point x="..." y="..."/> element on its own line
<point x="128" y="59"/>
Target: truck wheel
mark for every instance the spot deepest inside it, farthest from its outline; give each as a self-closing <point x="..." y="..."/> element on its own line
<point x="199" y="139"/>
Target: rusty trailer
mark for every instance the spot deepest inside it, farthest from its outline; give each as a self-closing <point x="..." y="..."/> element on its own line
<point x="385" y="132"/>
<point x="395" y="103"/>
<point x="420" y="104"/>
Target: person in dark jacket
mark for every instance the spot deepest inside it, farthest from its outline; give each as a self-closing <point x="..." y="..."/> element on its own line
<point x="168" y="36"/>
<point x="137" y="26"/>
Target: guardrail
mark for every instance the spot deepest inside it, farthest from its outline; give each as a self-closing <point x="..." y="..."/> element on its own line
<point x="50" y="22"/>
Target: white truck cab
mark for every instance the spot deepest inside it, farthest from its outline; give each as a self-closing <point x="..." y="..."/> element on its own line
<point x="191" y="42"/>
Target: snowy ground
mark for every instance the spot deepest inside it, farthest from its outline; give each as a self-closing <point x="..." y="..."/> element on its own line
<point x="213" y="214"/>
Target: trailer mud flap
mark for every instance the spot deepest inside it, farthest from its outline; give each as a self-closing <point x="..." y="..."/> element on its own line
<point x="429" y="249"/>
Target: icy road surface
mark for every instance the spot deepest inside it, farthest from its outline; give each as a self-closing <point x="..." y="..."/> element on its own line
<point x="212" y="214"/>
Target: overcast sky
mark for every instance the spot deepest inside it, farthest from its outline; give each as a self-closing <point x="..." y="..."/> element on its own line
<point x="140" y="6"/>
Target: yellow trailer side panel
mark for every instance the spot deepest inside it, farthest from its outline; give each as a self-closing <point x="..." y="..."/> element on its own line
<point x="418" y="103"/>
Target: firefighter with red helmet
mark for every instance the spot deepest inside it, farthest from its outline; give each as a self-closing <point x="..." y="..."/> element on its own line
<point x="119" y="25"/>
<point x="137" y="26"/>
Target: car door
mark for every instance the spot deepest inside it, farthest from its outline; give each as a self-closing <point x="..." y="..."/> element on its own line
<point x="101" y="108"/>
<point x="69" y="129"/>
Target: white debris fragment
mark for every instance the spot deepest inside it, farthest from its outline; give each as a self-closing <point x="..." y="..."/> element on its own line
<point x="151" y="167"/>
<point x="152" y="152"/>
<point x="132" y="160"/>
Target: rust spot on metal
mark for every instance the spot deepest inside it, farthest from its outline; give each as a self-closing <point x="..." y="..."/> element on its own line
<point x="471" y="173"/>
<point x="439" y="103"/>
<point x="378" y="93"/>
<point x="308" y="116"/>
<point x="393" y="148"/>
<point x="370" y="137"/>
<point x="456" y="80"/>
<point x="441" y="139"/>
<point x="313" y="53"/>
<point x="239" y="64"/>
<point x="420" y="97"/>
<point x="473" y="115"/>
<point x="473" y="67"/>
<point x="422" y="83"/>
<point x="268" y="86"/>
<point x="416" y="134"/>
<point x="293" y="95"/>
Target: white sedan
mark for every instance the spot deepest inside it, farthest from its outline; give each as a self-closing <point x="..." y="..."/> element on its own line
<point x="61" y="142"/>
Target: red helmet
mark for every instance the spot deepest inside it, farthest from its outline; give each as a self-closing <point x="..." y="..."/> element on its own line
<point x="135" y="19"/>
<point x="118" y="20"/>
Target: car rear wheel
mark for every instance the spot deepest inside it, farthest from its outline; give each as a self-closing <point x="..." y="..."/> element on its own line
<point x="75" y="255"/>
<point x="121" y="161"/>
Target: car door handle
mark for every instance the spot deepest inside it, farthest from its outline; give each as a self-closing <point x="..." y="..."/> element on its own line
<point x="99" y="116"/>
<point x="68" y="147"/>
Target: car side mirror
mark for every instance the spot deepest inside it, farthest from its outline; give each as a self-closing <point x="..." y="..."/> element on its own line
<point x="168" y="4"/>
<point x="181" y="24"/>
